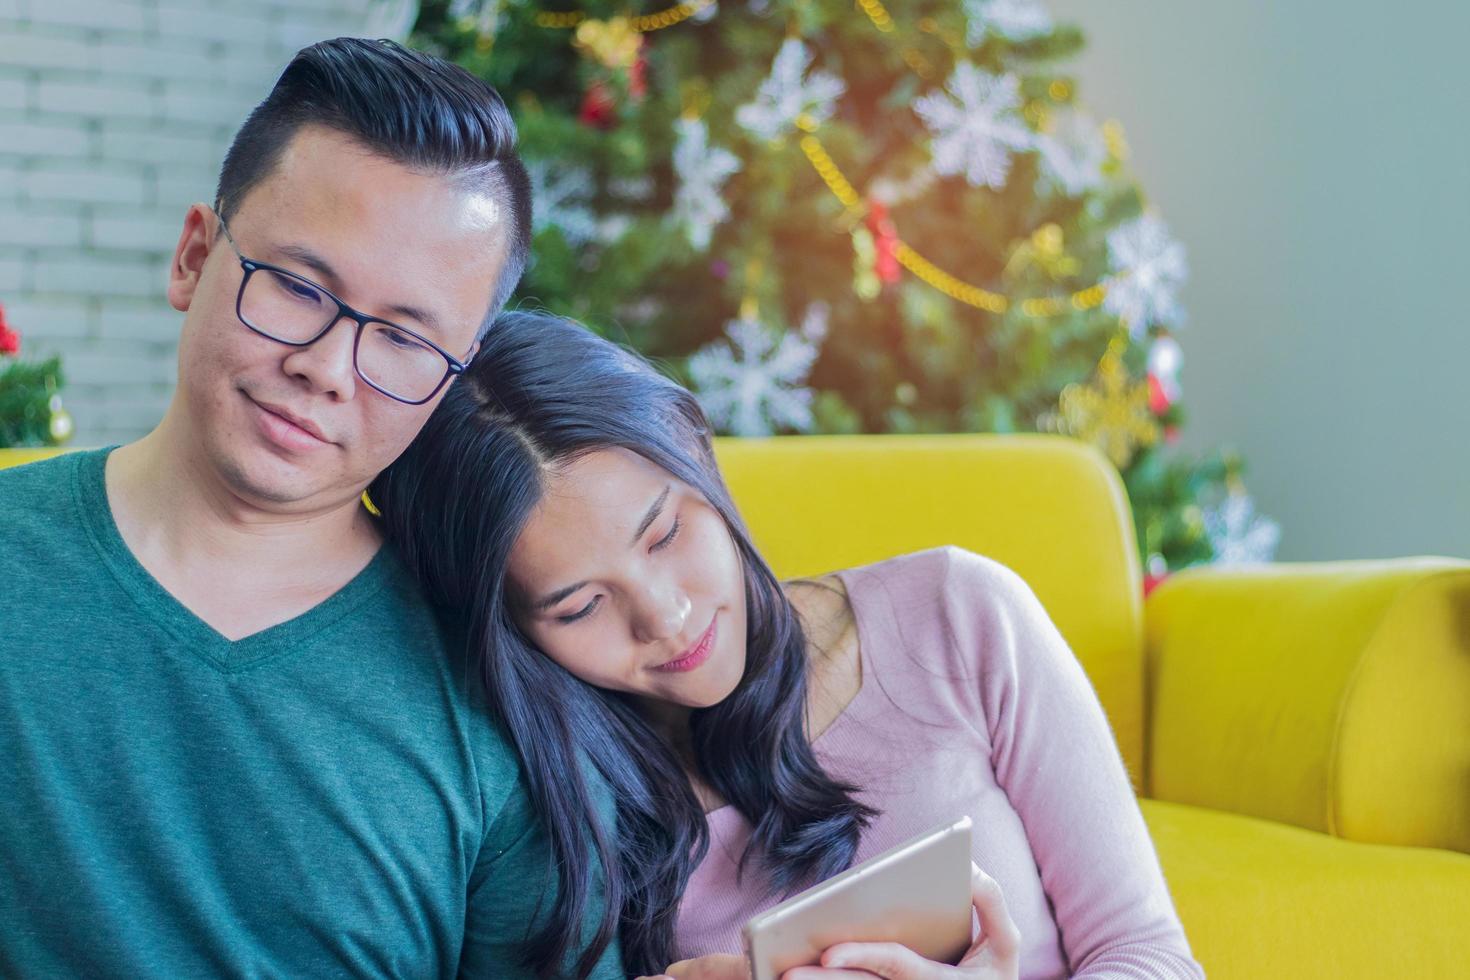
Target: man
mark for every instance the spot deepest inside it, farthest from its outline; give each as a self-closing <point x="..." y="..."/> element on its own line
<point x="236" y="741"/>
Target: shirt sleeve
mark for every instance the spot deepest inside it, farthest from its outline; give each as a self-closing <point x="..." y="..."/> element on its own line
<point x="1054" y="755"/>
<point x="511" y="892"/>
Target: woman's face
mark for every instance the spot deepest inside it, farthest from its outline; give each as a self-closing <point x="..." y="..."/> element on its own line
<point x="629" y="579"/>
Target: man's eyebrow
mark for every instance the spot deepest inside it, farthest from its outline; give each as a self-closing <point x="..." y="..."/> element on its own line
<point x="324" y="269"/>
<point x="652" y="515"/>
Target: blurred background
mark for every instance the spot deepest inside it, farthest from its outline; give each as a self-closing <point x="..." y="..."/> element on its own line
<point x="1219" y="241"/>
<point x="1315" y="161"/>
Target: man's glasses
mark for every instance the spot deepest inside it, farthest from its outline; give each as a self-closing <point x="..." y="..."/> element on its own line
<point x="293" y="310"/>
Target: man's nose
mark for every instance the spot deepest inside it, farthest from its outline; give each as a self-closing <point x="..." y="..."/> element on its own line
<point x="327" y="364"/>
<point x="663" y="612"/>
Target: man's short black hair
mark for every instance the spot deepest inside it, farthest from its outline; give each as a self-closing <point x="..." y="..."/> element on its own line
<point x="415" y="109"/>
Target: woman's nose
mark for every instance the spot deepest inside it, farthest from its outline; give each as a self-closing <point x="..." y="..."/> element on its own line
<point x="665" y="613"/>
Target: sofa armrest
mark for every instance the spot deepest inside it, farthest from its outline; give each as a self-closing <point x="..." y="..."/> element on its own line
<point x="1332" y="696"/>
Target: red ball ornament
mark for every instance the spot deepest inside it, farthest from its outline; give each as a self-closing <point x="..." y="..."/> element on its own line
<point x="638" y="79"/>
<point x="885" y="242"/>
<point x="9" y="339"/>
<point x="1158" y="398"/>
<point x="1151" y="582"/>
<point x="599" y="108"/>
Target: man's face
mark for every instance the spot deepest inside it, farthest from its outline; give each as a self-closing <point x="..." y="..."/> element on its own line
<point x="295" y="428"/>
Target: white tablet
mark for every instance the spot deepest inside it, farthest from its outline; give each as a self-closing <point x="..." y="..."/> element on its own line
<point x="917" y="894"/>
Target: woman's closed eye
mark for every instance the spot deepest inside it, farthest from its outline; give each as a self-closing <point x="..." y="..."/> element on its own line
<point x="668" y="539"/>
<point x="591" y="607"/>
<point x="586" y="611"/>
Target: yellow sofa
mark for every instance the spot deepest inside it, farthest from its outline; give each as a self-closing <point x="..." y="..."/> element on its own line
<point x="1299" y="734"/>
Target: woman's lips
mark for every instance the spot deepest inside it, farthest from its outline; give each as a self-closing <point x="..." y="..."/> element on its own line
<point x="695" y="657"/>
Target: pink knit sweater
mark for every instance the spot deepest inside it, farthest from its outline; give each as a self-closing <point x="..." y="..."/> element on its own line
<point x="972" y="703"/>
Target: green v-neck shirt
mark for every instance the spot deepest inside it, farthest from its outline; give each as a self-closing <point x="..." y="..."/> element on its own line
<point x="328" y="797"/>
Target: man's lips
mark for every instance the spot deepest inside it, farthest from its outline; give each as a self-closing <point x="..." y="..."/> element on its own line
<point x="286" y="429"/>
<point x="696" y="654"/>
<point x="304" y="424"/>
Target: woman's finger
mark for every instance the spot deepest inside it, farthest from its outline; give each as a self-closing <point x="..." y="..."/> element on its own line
<point x="892" y="961"/>
<point x="715" y="966"/>
<point x="997" y="928"/>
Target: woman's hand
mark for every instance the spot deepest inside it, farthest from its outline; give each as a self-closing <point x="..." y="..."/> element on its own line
<point x="996" y="954"/>
<point x="718" y="966"/>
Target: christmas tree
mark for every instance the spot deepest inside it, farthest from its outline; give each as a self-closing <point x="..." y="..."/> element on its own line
<point x="31" y="413"/>
<point x="849" y="217"/>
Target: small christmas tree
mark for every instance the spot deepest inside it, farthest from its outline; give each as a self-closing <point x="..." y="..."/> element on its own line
<point x="850" y="217"/>
<point x="31" y="413"/>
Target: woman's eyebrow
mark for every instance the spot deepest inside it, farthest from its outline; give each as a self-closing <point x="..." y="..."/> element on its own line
<point x="652" y="515"/>
<point x="546" y="603"/>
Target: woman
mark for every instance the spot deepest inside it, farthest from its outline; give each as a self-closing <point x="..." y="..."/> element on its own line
<point x="756" y="737"/>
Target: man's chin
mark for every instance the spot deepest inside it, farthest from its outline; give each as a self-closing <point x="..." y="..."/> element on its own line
<point x="268" y="480"/>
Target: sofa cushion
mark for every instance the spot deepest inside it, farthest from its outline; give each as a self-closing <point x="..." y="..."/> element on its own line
<point x="1262" y="899"/>
<point x="1328" y="695"/>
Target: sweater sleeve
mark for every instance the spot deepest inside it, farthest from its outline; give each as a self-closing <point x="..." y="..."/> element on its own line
<point x="511" y="894"/>
<point x="1055" y="757"/>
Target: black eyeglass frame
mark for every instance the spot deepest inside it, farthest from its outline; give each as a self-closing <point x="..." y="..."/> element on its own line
<point x="453" y="365"/>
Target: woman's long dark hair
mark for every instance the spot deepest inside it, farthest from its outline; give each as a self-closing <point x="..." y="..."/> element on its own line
<point x="544" y="391"/>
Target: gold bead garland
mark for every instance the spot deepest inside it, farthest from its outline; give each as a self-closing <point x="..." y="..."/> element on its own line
<point x="842" y="188"/>
<point x="643" y="23"/>
<point x="878" y="14"/>
<point x="1110" y="410"/>
<point x="927" y="271"/>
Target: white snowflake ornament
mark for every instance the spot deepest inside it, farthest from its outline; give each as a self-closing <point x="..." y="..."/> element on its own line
<point x="1014" y="20"/>
<point x="613" y="227"/>
<point x="559" y="196"/>
<point x="484" y="15"/>
<point x="814" y="322"/>
<point x="975" y="126"/>
<point x="1073" y="152"/>
<point x="1165" y="358"/>
<point x="1238" y="534"/>
<point x="754" y="383"/>
<point x="702" y="170"/>
<point x="638" y="188"/>
<point x="788" y="93"/>
<point x="1149" y="268"/>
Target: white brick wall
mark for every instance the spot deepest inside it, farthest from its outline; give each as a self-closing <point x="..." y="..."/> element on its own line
<point x="114" y="118"/>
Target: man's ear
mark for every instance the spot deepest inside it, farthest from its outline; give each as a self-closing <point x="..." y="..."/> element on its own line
<point x="195" y="244"/>
<point x="473" y="351"/>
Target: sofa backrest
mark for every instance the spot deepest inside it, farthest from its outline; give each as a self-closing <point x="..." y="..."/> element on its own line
<point x="15" y="457"/>
<point x="1051" y="508"/>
